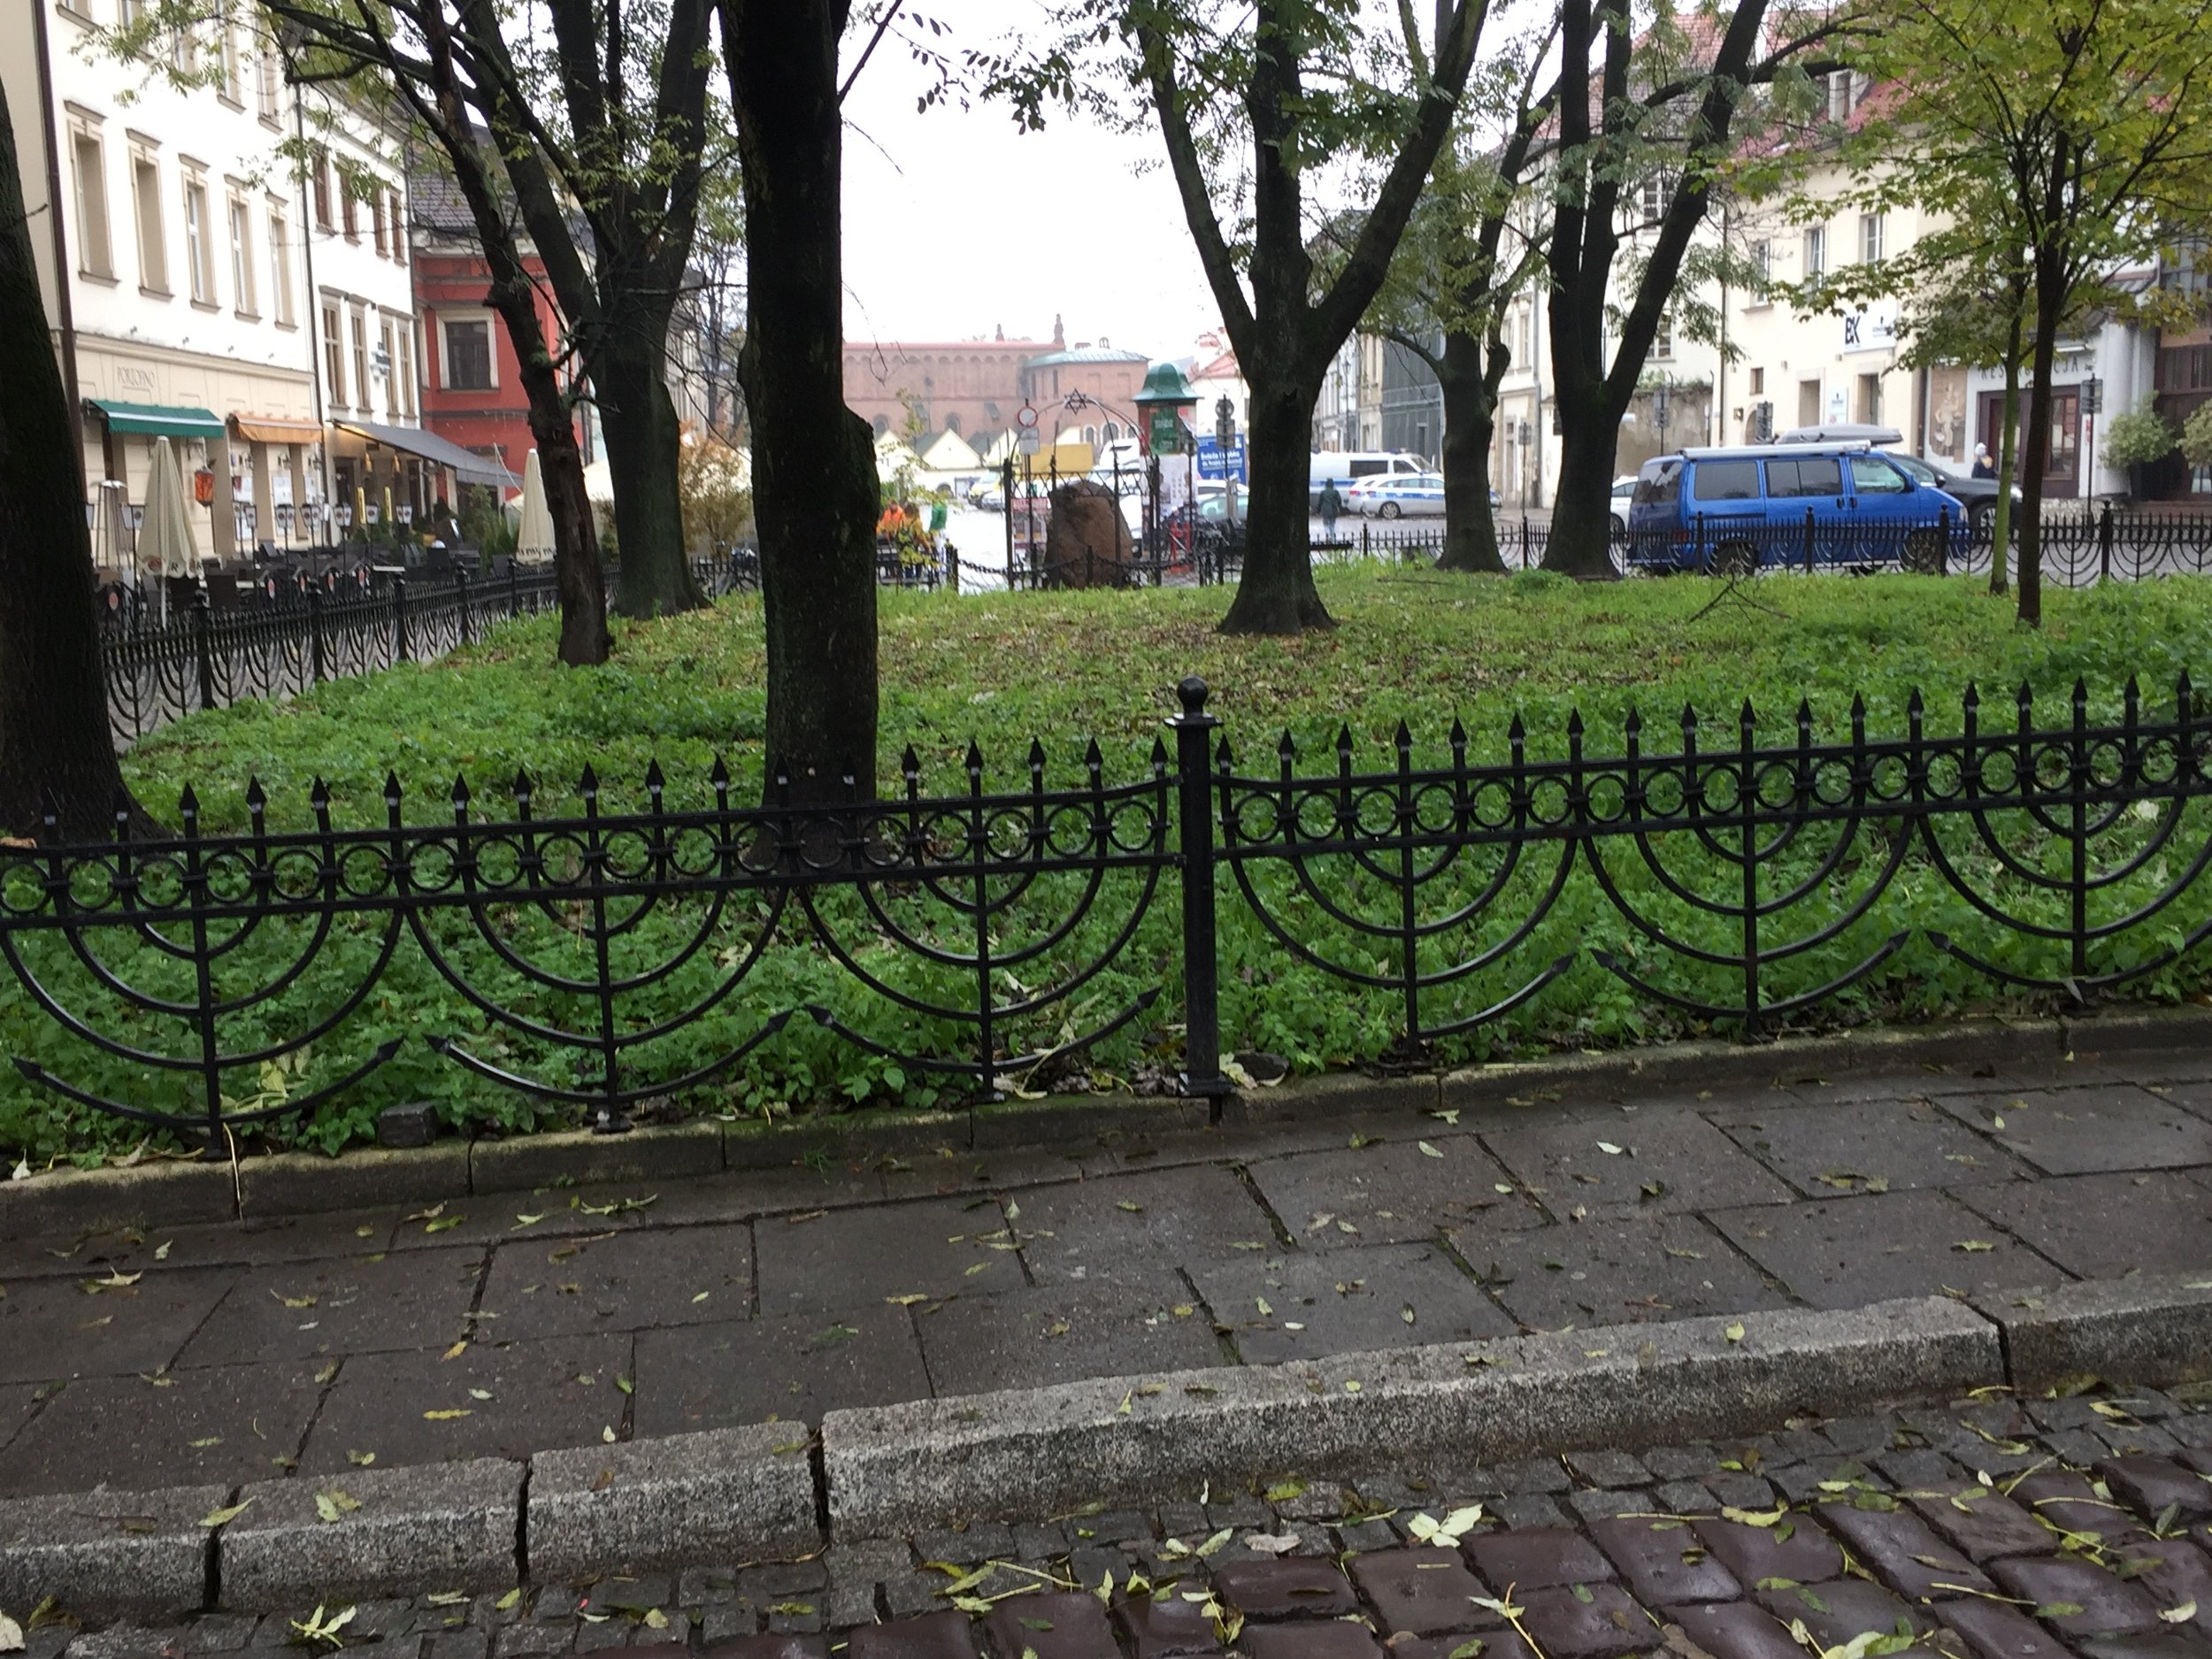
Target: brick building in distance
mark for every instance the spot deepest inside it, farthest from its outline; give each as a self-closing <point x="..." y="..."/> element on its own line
<point x="975" y="387"/>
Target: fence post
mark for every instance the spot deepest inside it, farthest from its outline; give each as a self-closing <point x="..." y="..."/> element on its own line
<point x="1697" y="544"/>
<point x="1364" y="552"/>
<point x="1524" y="547"/>
<point x="399" y="618"/>
<point x="1810" y="532"/>
<point x="2104" y="544"/>
<point x="203" y="647"/>
<point x="315" y="631"/>
<point x="1943" y="541"/>
<point x="461" y="585"/>
<point x="514" y="591"/>
<point x="1202" y="985"/>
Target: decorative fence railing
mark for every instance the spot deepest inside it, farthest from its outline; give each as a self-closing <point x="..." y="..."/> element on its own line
<point x="990" y="936"/>
<point x="292" y="635"/>
<point x="2079" y="549"/>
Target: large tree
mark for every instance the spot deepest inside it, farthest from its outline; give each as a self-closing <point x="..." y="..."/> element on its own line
<point x="56" y="749"/>
<point x="1468" y="251"/>
<point x="1651" y="127"/>
<point x="2076" y="132"/>
<point x="1250" y="100"/>
<point x="814" y="470"/>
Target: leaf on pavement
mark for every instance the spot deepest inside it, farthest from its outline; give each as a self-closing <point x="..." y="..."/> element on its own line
<point x="224" y="1517"/>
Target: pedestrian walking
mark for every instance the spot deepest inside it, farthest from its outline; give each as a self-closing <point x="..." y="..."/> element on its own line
<point x="1332" y="504"/>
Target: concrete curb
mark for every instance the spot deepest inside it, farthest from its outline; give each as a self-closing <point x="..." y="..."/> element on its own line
<point x="940" y="1463"/>
<point x="123" y="1554"/>
<point x="181" y="1193"/>
<point x="430" y="1527"/>
<point x="757" y="1494"/>
<point x="2148" y="1330"/>
<point x="727" y="1494"/>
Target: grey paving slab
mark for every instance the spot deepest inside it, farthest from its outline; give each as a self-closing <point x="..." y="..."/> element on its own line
<point x="1867" y="1145"/>
<point x="791" y="1368"/>
<point x="1848" y="1252"/>
<point x="2079" y="1132"/>
<point x="1298" y="1306"/>
<point x="2181" y="1080"/>
<point x="1050" y="1333"/>
<point x="222" y="1424"/>
<point x="852" y="1260"/>
<point x="490" y="1401"/>
<point x="16" y="1405"/>
<point x="1124" y="1225"/>
<point x="294" y="1310"/>
<point x="1611" y="1273"/>
<point x="627" y="1281"/>
<point x="104" y="1324"/>
<point x="1390" y="1193"/>
<point x="2102" y="1226"/>
<point x="1847" y="1087"/>
<point x="202" y="1244"/>
<point x="1667" y="1161"/>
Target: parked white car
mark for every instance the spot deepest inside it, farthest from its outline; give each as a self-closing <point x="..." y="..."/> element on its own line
<point x="1397" y="495"/>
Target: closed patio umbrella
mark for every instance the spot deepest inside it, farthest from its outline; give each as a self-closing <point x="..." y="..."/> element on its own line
<point x="534" y="540"/>
<point x="166" y="547"/>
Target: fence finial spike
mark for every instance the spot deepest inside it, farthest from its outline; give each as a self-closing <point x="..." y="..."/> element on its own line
<point x="1516" y="729"/>
<point x="460" y="789"/>
<point x="1036" y="754"/>
<point x="1093" y="757"/>
<point x="653" y="779"/>
<point x="1747" y="716"/>
<point x="1804" y="711"/>
<point x="1574" y="723"/>
<point x="2183" y="688"/>
<point x="521" y="785"/>
<point x="588" y="783"/>
<point x="718" y="774"/>
<point x="1913" y="704"/>
<point x="974" y="758"/>
<point x="1287" y="746"/>
<point x="1404" y="736"/>
<point x="1458" y="734"/>
<point x="319" y="793"/>
<point x="257" y="798"/>
<point x="1344" y="743"/>
<point x="1159" y="754"/>
<point x="1193" y="692"/>
<point x="910" y="763"/>
<point x="1972" y="699"/>
<point x="391" y="789"/>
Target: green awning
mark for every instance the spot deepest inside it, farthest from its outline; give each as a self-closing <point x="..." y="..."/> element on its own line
<point x="159" y="420"/>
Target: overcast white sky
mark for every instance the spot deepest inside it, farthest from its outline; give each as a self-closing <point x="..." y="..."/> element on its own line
<point x="955" y="223"/>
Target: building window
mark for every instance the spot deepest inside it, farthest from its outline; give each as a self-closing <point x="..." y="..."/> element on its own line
<point x="1655" y="200"/>
<point x="1871" y="399"/>
<point x="360" y="359"/>
<point x="387" y="359"/>
<point x="348" y="210"/>
<point x="376" y="219"/>
<point x="334" y="356"/>
<point x="265" y="66"/>
<point x="1758" y="381"/>
<point x="199" y="250"/>
<point x="153" y="249"/>
<point x="242" y="256"/>
<point x="234" y="81"/>
<point x="1662" y="341"/>
<point x="399" y="226"/>
<point x="405" y="403"/>
<point x="95" y="256"/>
<point x="320" y="176"/>
<point x="1763" y="262"/>
<point x="1870" y="234"/>
<point x="1815" y="250"/>
<point x="468" y="355"/>
<point x="280" y="263"/>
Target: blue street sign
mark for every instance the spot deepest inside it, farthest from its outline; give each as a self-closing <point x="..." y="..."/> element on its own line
<point x="1210" y="463"/>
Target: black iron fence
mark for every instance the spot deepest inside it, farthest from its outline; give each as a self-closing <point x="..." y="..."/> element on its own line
<point x="994" y="936"/>
<point x="2079" y="548"/>
<point x="278" y="637"/>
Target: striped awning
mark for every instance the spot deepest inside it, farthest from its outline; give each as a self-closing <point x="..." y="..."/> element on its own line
<point x="159" y="420"/>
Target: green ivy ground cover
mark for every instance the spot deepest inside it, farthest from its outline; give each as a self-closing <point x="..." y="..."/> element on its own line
<point x="1413" y="645"/>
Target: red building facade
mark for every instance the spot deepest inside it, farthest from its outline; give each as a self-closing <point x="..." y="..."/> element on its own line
<point x="472" y="377"/>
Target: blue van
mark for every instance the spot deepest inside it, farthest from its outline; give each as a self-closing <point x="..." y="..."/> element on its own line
<point x="1732" y="510"/>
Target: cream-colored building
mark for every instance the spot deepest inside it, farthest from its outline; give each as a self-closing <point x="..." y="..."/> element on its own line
<point x="199" y="289"/>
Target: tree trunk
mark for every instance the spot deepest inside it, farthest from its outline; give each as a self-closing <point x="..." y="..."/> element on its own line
<point x="2008" y="434"/>
<point x="1581" y="540"/>
<point x="1276" y="594"/>
<point x="644" y="450"/>
<point x="2050" y="304"/>
<point x="1471" y="532"/>
<point x="814" y="474"/>
<point x="56" y="749"/>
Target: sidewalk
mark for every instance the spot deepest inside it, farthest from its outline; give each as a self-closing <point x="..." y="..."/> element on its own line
<point x="505" y="1325"/>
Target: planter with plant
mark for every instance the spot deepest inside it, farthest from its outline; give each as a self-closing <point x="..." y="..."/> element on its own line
<point x="2137" y="440"/>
